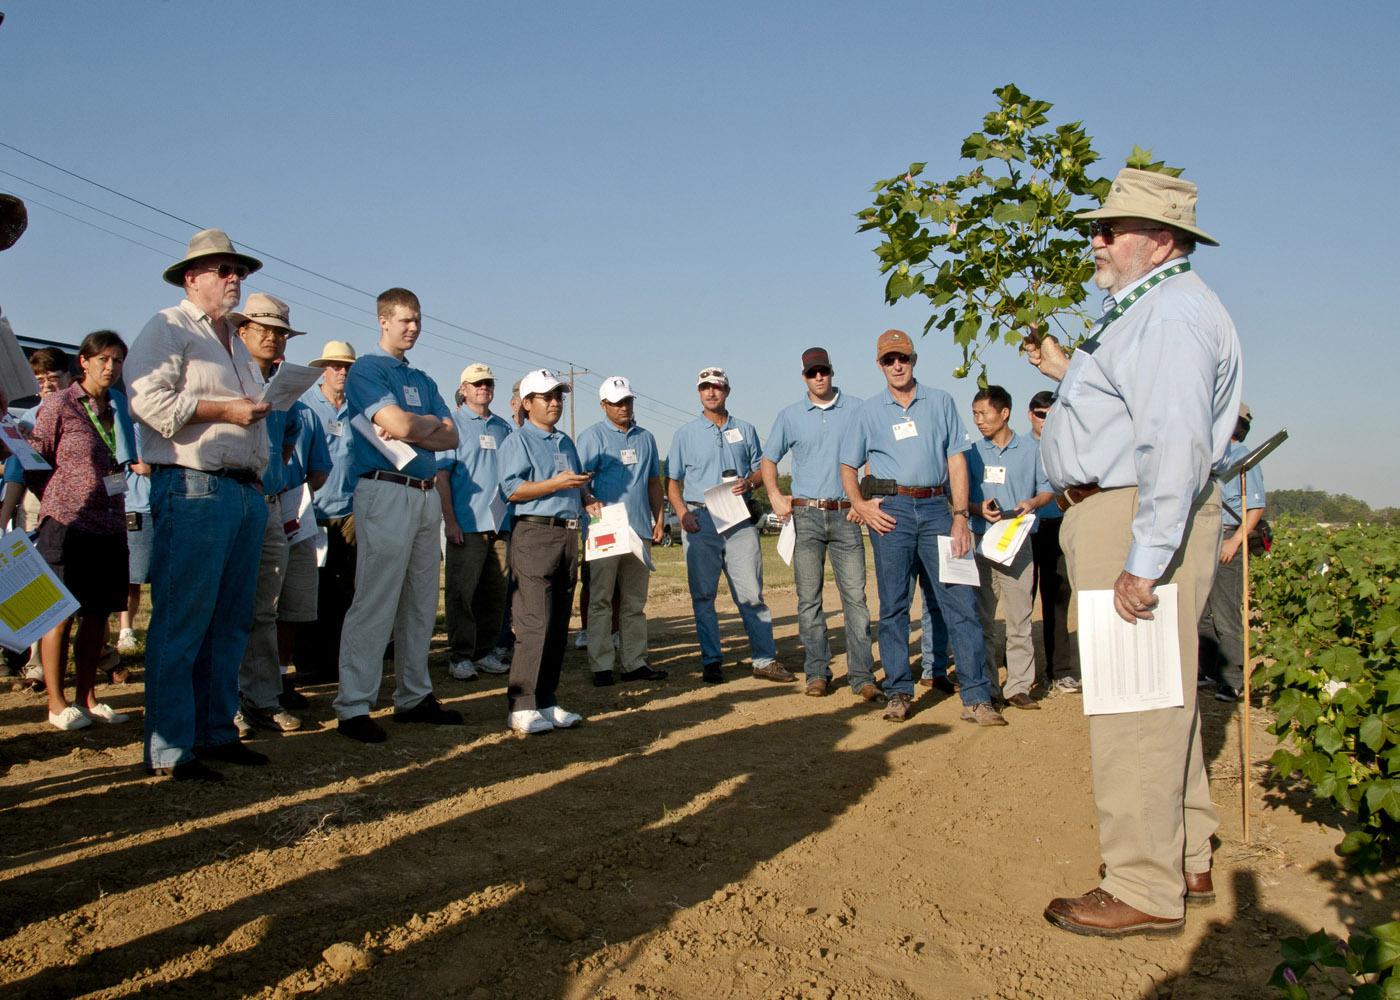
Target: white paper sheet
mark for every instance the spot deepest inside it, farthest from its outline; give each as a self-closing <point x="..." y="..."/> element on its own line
<point x="726" y="507"/>
<point x="398" y="452"/>
<point x="610" y="535"/>
<point x="14" y="439"/>
<point x="32" y="599"/>
<point x="951" y="570"/>
<point x="1129" y="667"/>
<point x="498" y="510"/>
<point x="323" y="545"/>
<point x="287" y="385"/>
<point x="298" y="519"/>
<point x="787" y="541"/>
<point x="16" y="377"/>
<point x="1004" y="538"/>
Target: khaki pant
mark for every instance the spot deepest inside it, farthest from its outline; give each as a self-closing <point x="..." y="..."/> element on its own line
<point x="260" y="675"/>
<point x="1014" y="586"/>
<point x="475" y="594"/>
<point x="630" y="577"/>
<point x="396" y="596"/>
<point x="1150" y="785"/>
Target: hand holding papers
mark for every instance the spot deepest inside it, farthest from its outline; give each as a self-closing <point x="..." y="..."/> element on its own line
<point x="287" y="386"/>
<point x="13" y="438"/>
<point x="1004" y="538"/>
<point x="398" y="452"/>
<point x="32" y="599"/>
<point x="1129" y="667"/>
<point x="609" y="534"/>
<point x="726" y="507"/>
<point x="956" y="570"/>
<point x="787" y="541"/>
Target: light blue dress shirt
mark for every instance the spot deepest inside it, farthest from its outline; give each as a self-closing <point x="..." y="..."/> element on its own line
<point x="334" y="498"/>
<point x="309" y="451"/>
<point x="473" y="469"/>
<point x="531" y="455"/>
<point x="1230" y="487"/>
<point x="917" y="459"/>
<point x="378" y="380"/>
<point x="700" y="452"/>
<point x="622" y="462"/>
<point x="813" y="434"/>
<point x="1151" y="405"/>
<point x="1023" y="474"/>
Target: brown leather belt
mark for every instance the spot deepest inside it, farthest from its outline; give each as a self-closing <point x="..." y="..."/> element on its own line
<point x="919" y="492"/>
<point x="401" y="480"/>
<point x="1076" y="494"/>
<point x="822" y="504"/>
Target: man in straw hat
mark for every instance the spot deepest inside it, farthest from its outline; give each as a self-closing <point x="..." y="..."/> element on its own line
<point x="1145" y="408"/>
<point x="194" y="392"/>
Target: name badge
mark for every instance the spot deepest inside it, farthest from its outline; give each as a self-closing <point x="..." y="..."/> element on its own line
<point x="905" y="430"/>
<point x="629" y="456"/>
<point x="411" y="397"/>
<point x="334" y="428"/>
<point x="561" y="462"/>
<point x="996" y="474"/>
<point x="115" y="484"/>
<point x="488" y="442"/>
<point x="734" y="435"/>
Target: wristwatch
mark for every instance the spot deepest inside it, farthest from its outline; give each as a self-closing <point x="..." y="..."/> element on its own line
<point x="960" y="513"/>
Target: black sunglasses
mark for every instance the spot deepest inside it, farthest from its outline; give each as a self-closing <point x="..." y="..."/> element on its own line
<point x="894" y="359"/>
<point x="1108" y="229"/>
<point x="226" y="271"/>
<point x="817" y="371"/>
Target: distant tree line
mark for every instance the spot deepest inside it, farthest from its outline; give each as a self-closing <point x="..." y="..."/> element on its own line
<point x="1331" y="508"/>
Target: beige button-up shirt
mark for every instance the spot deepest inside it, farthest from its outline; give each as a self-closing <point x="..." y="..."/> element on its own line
<point x="176" y="361"/>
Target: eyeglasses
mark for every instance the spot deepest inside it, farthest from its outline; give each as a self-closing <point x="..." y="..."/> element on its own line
<point x="894" y="359"/>
<point x="486" y="383"/>
<point x="1108" y="230"/>
<point x="48" y="378"/>
<point x="817" y="371"/>
<point x="557" y="393"/>
<point x="1040" y="414"/>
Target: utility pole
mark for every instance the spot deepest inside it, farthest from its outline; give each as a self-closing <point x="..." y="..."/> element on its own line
<point x="572" y="372"/>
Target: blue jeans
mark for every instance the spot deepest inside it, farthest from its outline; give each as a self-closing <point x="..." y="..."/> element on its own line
<point x="912" y="546"/>
<point x="204" y="572"/>
<point x="933" y="640"/>
<point x="738" y="554"/>
<point x="823" y="533"/>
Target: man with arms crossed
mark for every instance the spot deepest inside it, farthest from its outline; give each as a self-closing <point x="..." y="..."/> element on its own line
<point x="1144" y="410"/>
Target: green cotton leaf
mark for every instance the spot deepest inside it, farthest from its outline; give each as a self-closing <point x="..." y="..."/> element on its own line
<point x="1354" y="843"/>
<point x="1389" y="952"/>
<point x="1372" y="732"/>
<point x="1327" y="738"/>
<point x="1384" y="795"/>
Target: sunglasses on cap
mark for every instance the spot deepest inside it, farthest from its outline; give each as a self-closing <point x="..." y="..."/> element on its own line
<point x="817" y="371"/>
<point x="1109" y="228"/>
<point x="712" y="373"/>
<point x="1040" y="414"/>
<point x="894" y="358"/>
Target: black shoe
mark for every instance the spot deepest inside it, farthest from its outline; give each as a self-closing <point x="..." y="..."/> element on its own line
<point x="1228" y="694"/>
<point x="187" y="770"/>
<point x="290" y="696"/>
<point x="428" y="710"/>
<point x="944" y="685"/>
<point x="644" y="673"/>
<point x="361" y="728"/>
<point x="712" y="674"/>
<point x="605" y="679"/>
<point x="232" y="753"/>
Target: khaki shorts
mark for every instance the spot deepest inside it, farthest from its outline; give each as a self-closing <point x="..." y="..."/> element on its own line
<point x="297" y="602"/>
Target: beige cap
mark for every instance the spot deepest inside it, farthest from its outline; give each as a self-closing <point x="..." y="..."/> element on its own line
<point x="1245" y="414"/>
<point x="207" y="243"/>
<point x="1147" y="194"/>
<point x="336" y="352"/>
<point x="894" y="340"/>
<point x="476" y="372"/>
<point x="266" y="310"/>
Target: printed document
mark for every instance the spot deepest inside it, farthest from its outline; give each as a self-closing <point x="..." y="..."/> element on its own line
<point x="787" y="541"/>
<point x="956" y="570"/>
<point x="398" y="452"/>
<point x="1129" y="667"/>
<point x="287" y="385"/>
<point x="298" y="519"/>
<point x="726" y="507"/>
<point x="20" y="447"/>
<point x="32" y="599"/>
<point x="1005" y="538"/>
<point x="610" y="534"/>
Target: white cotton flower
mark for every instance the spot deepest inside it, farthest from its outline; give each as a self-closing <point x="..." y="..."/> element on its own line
<point x="1332" y="687"/>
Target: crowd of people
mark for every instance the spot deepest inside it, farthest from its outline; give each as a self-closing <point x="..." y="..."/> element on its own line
<point x="166" y="462"/>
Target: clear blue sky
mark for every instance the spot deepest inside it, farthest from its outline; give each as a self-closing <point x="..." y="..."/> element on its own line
<point x="646" y="189"/>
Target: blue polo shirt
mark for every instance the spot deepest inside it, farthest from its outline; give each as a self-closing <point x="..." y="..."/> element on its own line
<point x="1230" y="488"/>
<point x="916" y="456"/>
<point x="309" y="451"/>
<point x="378" y="380"/>
<point x="813" y="434"/>
<point x="532" y="455"/>
<point x="700" y="452"/>
<point x="622" y="462"/>
<point x="1019" y="468"/>
<point x="333" y="499"/>
<point x="473" y="469"/>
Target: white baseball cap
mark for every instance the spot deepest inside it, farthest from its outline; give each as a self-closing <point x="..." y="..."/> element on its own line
<point x="541" y="381"/>
<point x="615" y="389"/>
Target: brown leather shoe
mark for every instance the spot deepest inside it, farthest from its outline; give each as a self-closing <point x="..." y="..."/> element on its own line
<point x="1024" y="701"/>
<point x="775" y="671"/>
<point x="1101" y="914"/>
<point x="898" y="708"/>
<point x="816" y="687"/>
<point x="1200" y="889"/>
<point x="871" y="692"/>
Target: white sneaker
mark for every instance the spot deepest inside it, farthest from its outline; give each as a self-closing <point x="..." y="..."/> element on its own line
<point x="528" y="720"/>
<point x="491" y="664"/>
<point x="33" y="672"/>
<point x="70" y="718"/>
<point x="126" y="641"/>
<point x="581" y="640"/>
<point x="103" y="712"/>
<point x="462" y="670"/>
<point x="560" y="719"/>
<point x="1067" y="685"/>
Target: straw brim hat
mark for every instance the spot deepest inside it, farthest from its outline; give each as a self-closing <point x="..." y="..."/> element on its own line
<point x="336" y="352"/>
<point x="207" y="243"/>
<point x="266" y="310"/>
<point x="14" y="219"/>
<point x="1157" y="197"/>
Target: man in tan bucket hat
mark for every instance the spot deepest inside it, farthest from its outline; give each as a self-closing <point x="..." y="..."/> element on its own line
<point x="1145" y="407"/>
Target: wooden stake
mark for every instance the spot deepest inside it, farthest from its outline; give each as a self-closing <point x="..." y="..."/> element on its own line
<point x="1244" y="715"/>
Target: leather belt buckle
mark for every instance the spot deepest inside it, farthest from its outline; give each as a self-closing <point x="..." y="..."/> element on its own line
<point x="571" y="523"/>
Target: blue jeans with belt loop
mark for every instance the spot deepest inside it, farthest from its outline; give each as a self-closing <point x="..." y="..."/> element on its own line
<point x="204" y="572"/>
<point x="823" y="534"/>
<point x="737" y="552"/>
<point x="913" y="544"/>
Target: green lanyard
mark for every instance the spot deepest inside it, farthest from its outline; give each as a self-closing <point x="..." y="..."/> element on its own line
<point x="1120" y="308"/>
<point x="110" y="440"/>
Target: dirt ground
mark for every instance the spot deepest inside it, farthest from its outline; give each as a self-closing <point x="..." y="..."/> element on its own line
<point x="687" y="841"/>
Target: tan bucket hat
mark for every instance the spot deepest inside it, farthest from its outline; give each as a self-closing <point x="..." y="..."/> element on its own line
<point x="207" y="243"/>
<point x="266" y="310"/>
<point x="336" y="352"/>
<point x="1147" y="194"/>
<point x="14" y="219"/>
<point x="476" y="372"/>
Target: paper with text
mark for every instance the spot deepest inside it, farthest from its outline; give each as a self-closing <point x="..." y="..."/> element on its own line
<point x="298" y="519"/>
<point x="32" y="598"/>
<point x="1129" y="667"/>
<point x="726" y="507"/>
<point x="610" y="535"/>
<point x="398" y="452"/>
<point x="1004" y="538"/>
<point x="787" y="541"/>
<point x="19" y="446"/>
<point x="288" y="384"/>
<point x="956" y="570"/>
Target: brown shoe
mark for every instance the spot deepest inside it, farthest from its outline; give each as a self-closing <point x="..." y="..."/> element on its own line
<point x="898" y="708"/>
<point x="816" y="687"/>
<point x="1024" y="701"/>
<point x="983" y="714"/>
<point x="1200" y="889"/>
<point x="870" y="692"/>
<point x="925" y="682"/>
<point x="1101" y="914"/>
<point x="775" y="671"/>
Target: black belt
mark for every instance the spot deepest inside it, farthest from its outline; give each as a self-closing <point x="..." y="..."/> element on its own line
<point x="554" y="522"/>
<point x="245" y="477"/>
<point x="822" y="504"/>
<point x="399" y="479"/>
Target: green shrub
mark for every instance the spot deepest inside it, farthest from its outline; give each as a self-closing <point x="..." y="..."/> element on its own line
<point x="1369" y="961"/>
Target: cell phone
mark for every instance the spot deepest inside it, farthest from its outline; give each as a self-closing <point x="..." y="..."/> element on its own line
<point x="993" y="506"/>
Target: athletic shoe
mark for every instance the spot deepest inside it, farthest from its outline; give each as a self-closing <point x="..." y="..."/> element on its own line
<point x="104" y="713"/>
<point x="462" y="670"/>
<point x="983" y="714"/>
<point x="1227" y="693"/>
<point x="279" y="721"/>
<point x="617" y="640"/>
<point x="581" y="640"/>
<point x="491" y="663"/>
<point x="1066" y="685"/>
<point x="126" y="641"/>
<point x="560" y="719"/>
<point x="503" y="653"/>
<point x="528" y="721"/>
<point x="69" y="719"/>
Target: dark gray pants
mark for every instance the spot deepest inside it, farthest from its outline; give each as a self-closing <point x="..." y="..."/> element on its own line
<point x="1221" y="628"/>
<point x="475" y="594"/>
<point x="544" y="561"/>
